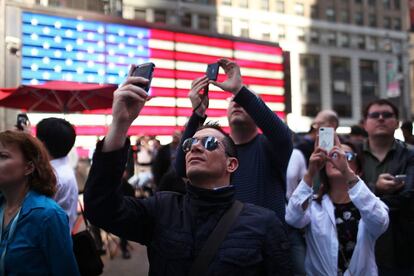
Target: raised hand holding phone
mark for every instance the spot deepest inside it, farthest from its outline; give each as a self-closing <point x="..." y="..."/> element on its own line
<point x="129" y="99"/>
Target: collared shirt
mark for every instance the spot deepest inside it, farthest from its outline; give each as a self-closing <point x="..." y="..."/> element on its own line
<point x="321" y="232"/>
<point x="373" y="167"/>
<point x="67" y="188"/>
<point x="41" y="243"/>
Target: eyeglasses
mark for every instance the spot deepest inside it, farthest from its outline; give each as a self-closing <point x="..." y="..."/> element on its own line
<point x="350" y="155"/>
<point x="385" y="115"/>
<point x="210" y="143"/>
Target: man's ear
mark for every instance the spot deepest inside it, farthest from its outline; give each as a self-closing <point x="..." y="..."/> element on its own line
<point x="232" y="164"/>
<point x="29" y="168"/>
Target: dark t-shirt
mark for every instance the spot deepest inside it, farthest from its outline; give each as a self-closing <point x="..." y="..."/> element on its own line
<point x="347" y="217"/>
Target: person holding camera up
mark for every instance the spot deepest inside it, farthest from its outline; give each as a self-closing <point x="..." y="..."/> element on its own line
<point x="261" y="176"/>
<point x="177" y="229"/>
<point x="343" y="222"/>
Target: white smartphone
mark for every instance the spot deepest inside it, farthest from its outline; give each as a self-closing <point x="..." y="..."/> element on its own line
<point x="326" y="138"/>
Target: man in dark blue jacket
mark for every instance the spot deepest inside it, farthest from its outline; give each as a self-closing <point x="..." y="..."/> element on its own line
<point x="261" y="176"/>
<point x="175" y="227"/>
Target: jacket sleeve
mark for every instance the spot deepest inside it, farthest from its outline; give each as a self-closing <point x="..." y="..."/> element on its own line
<point x="373" y="211"/>
<point x="192" y="125"/>
<point x="57" y="244"/>
<point x="275" y="130"/>
<point x="295" y="215"/>
<point x="277" y="257"/>
<point x="107" y="207"/>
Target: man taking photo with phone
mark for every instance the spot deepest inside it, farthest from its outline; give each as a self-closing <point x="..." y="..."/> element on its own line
<point x="177" y="228"/>
<point x="261" y="176"/>
<point x="384" y="159"/>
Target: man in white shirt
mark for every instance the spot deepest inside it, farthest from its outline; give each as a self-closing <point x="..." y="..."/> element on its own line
<point x="58" y="136"/>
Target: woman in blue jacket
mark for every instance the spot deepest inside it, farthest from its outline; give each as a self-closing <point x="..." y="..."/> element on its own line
<point x="35" y="236"/>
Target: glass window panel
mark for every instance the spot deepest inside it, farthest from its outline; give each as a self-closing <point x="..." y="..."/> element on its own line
<point x="341" y="86"/>
<point x="310" y="84"/>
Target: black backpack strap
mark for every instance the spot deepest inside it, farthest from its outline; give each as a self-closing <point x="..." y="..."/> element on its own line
<point x="208" y="252"/>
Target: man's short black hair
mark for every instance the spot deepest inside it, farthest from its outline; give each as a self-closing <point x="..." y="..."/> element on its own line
<point x="381" y="102"/>
<point x="58" y="135"/>
<point x="228" y="142"/>
<point x="408" y="126"/>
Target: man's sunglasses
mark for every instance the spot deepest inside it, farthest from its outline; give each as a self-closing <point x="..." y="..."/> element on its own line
<point x="376" y="115"/>
<point x="210" y="143"/>
<point x="350" y="155"/>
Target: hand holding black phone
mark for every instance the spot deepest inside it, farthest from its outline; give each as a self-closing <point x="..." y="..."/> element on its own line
<point x="145" y="70"/>
<point x="22" y="121"/>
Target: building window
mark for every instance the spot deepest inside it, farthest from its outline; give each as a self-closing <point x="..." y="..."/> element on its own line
<point x="140" y="14"/>
<point x="227" y="26"/>
<point x="204" y="21"/>
<point x="343" y="40"/>
<point x="358" y="2"/>
<point x="244" y="28"/>
<point x="314" y="36"/>
<point x="341" y="86"/>
<point x="387" y="23"/>
<point x="226" y="2"/>
<point x="280" y="6"/>
<point x="186" y="20"/>
<point x="397" y="4"/>
<point x="310" y="84"/>
<point x="331" y="38"/>
<point x="299" y="9"/>
<point x="372" y="20"/>
<point x="396" y="23"/>
<point x="266" y="36"/>
<point x="368" y="70"/>
<point x="371" y="43"/>
<point x="160" y="16"/>
<point x="281" y="32"/>
<point x="264" y="5"/>
<point x="358" y="42"/>
<point x="372" y="3"/>
<point x="358" y="18"/>
<point x="330" y="14"/>
<point x="314" y="11"/>
<point x="344" y="17"/>
<point x="386" y="4"/>
<point x="301" y="34"/>
<point x="244" y="4"/>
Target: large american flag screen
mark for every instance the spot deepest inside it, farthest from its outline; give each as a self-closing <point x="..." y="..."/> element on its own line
<point x="61" y="48"/>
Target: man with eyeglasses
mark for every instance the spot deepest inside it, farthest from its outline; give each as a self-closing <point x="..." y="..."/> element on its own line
<point x="389" y="172"/>
<point x="173" y="226"/>
<point x="261" y="176"/>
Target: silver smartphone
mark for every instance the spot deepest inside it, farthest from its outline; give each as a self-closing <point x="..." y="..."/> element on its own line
<point x="326" y="138"/>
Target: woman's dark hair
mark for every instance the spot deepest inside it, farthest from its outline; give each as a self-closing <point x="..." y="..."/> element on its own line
<point x="42" y="180"/>
<point x="323" y="177"/>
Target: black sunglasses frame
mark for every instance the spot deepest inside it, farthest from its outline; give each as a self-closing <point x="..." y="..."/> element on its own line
<point x="384" y="115"/>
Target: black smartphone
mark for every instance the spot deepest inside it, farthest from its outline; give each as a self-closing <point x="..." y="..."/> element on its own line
<point x="22" y="121"/>
<point x="145" y="70"/>
<point x="212" y="71"/>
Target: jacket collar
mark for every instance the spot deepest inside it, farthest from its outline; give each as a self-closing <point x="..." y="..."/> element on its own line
<point x="210" y="199"/>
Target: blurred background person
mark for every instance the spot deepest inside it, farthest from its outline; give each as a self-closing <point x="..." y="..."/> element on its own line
<point x="59" y="136"/>
<point x="35" y="235"/>
<point x="407" y="130"/>
<point x="344" y="221"/>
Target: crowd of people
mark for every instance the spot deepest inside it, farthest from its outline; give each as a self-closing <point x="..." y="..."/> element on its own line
<point x="258" y="200"/>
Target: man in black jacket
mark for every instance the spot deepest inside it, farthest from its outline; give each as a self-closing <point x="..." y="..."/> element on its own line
<point x="263" y="158"/>
<point x="175" y="227"/>
<point x="384" y="159"/>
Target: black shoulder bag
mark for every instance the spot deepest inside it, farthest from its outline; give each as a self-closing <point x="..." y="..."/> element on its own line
<point x="86" y="252"/>
<point x="208" y="252"/>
